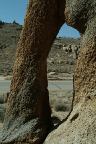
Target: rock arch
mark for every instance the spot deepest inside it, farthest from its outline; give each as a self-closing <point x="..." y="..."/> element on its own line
<point x="28" y="116"/>
<point x="80" y="126"/>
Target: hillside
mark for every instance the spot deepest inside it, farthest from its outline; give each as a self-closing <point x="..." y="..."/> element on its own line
<point x="61" y="59"/>
<point x="9" y="36"/>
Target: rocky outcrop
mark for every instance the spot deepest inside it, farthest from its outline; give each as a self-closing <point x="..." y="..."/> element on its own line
<point x="28" y="116"/>
<point x="80" y="126"/>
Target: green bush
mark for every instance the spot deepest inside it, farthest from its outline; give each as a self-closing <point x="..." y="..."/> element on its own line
<point x="1" y="23"/>
<point x="1" y="99"/>
<point x="61" y="107"/>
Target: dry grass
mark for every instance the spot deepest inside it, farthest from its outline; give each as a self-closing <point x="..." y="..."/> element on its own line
<point x="60" y="102"/>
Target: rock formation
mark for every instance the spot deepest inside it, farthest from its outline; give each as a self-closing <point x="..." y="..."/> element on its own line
<point x="80" y="126"/>
<point x="28" y="116"/>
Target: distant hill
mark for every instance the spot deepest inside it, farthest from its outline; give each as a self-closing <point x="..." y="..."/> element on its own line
<point x="9" y="36"/>
<point x="58" y="58"/>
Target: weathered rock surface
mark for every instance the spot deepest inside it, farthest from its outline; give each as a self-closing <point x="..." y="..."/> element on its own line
<point x="80" y="126"/>
<point x="28" y="116"/>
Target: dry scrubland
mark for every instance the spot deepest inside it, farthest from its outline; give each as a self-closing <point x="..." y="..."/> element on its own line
<point x="60" y="60"/>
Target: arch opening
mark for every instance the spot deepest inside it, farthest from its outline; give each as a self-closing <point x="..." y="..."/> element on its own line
<point x="61" y="63"/>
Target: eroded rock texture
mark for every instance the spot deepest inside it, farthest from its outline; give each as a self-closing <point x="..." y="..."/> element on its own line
<point x="80" y="127"/>
<point x="28" y="115"/>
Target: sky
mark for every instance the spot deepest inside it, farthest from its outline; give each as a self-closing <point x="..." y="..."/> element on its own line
<point x="11" y="10"/>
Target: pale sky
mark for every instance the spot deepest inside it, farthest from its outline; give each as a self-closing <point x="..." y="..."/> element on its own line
<point x="11" y="10"/>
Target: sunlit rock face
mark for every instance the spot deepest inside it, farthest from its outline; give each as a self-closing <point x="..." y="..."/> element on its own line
<point x="79" y="12"/>
<point x="28" y="113"/>
<point x="80" y="126"/>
